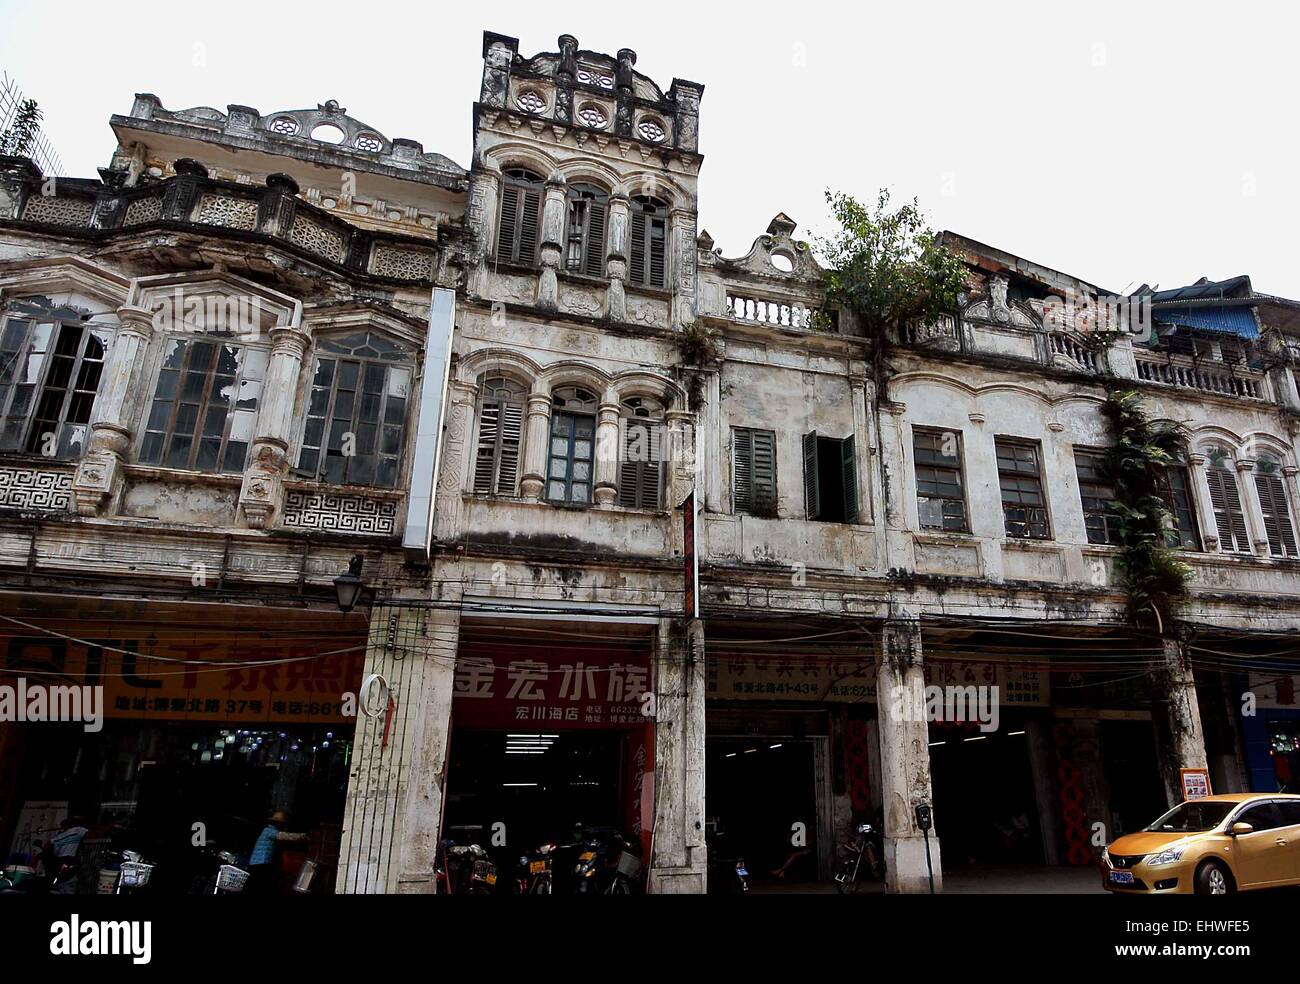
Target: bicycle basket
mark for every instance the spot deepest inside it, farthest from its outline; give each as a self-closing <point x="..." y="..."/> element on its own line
<point x="231" y="879"/>
<point x="135" y="874"/>
<point x="629" y="865"/>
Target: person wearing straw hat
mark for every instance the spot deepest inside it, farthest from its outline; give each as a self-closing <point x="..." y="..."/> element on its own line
<point x="261" y="864"/>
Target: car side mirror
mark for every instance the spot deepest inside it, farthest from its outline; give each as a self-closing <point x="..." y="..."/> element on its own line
<point x="1241" y="827"/>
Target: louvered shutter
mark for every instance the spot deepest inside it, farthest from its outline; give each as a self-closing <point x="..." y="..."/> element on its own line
<point x="812" y="499"/>
<point x="489" y="428"/>
<point x="508" y="222"/>
<point x="658" y="243"/>
<point x="593" y="261"/>
<point x="849" y="467"/>
<point x="1228" y="515"/>
<point x="512" y="427"/>
<point x="764" y="471"/>
<point x="529" y="225"/>
<point x="639" y="473"/>
<point x="742" y="469"/>
<point x="1277" y="515"/>
<point x="637" y="246"/>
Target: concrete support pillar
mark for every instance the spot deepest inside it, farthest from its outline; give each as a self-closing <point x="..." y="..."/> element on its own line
<point x="99" y="474"/>
<point x="862" y="445"/>
<point x="680" y="863"/>
<point x="398" y="772"/>
<point x="456" y="463"/>
<point x="905" y="758"/>
<point x="1204" y="508"/>
<point x="1180" y="738"/>
<point x="554" y="211"/>
<point x="616" y="261"/>
<point x="262" y="489"/>
<point x="537" y="442"/>
<point x="607" y="452"/>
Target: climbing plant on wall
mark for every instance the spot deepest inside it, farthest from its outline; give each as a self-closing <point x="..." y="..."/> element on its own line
<point x="1150" y="571"/>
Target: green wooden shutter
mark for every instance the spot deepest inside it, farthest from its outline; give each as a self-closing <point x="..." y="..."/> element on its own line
<point x="1228" y="515"/>
<point x="593" y="260"/>
<point x="742" y="446"/>
<point x="849" y="467"/>
<point x="1277" y="515"/>
<point x="637" y="247"/>
<point x="658" y="233"/>
<point x="639" y="472"/>
<point x="812" y="499"/>
<point x="764" y="471"/>
<point x="508" y="223"/>
<point x="529" y="225"/>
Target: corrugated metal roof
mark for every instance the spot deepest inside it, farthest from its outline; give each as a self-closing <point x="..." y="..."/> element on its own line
<point x="1239" y="321"/>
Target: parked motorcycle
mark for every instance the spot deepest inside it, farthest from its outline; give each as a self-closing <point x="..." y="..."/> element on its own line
<point x="466" y="869"/>
<point x="863" y="857"/>
<point x="537" y="871"/>
<point x="606" y="864"/>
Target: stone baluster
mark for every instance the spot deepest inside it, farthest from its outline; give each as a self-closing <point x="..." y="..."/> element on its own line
<point x="99" y="475"/>
<point x="262" y="489"/>
<point x="536" y="445"/>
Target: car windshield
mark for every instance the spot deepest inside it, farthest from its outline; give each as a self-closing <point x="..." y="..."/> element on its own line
<point x="1192" y="817"/>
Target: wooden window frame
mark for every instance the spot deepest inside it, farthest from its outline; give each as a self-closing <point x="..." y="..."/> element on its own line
<point x="753" y="492"/>
<point x="498" y="450"/>
<point x="1028" y="480"/>
<point x="1275" y="510"/>
<point x="1092" y="487"/>
<point x="1225" y="499"/>
<point x="938" y="462"/>
<point x="587" y="226"/>
<point x="648" y="252"/>
<point x="519" y="217"/>
<point x="848" y="467"/>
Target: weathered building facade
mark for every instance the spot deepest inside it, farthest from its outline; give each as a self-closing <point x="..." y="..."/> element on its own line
<point x="261" y="344"/>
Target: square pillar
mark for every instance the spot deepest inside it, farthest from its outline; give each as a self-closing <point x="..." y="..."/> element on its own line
<point x="905" y="758"/>
<point x="680" y="862"/>
<point x="1176" y="712"/>
<point x="393" y="811"/>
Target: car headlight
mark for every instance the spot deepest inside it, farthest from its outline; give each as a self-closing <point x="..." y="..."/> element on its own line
<point x="1166" y="857"/>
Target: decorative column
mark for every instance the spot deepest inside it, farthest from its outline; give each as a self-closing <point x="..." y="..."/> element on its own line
<point x="99" y="474"/>
<point x="616" y="261"/>
<point x="537" y="442"/>
<point x="862" y="448"/>
<point x="682" y="266"/>
<point x="1180" y="738"/>
<point x="1254" y="514"/>
<point x="1204" y="507"/>
<point x="905" y="758"/>
<point x="607" y="452"/>
<point x="480" y="216"/>
<point x="397" y="775"/>
<point x="262" y="491"/>
<point x="680" y="862"/>
<point x="552" y="244"/>
<point x="456" y="462"/>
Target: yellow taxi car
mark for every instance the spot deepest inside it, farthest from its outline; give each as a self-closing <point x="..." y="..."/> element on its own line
<point x="1211" y="846"/>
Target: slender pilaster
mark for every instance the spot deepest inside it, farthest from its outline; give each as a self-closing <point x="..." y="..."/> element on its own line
<point x="552" y="244"/>
<point x="607" y="452"/>
<point x="263" y="489"/>
<point x="536" y="445"/>
<point x="616" y="261"/>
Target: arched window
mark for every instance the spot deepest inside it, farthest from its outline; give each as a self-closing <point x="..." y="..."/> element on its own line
<point x="573" y="438"/>
<point x="500" y="434"/>
<point x="640" y="470"/>
<point x="1274" y="508"/>
<point x="51" y="362"/>
<point x="1225" y="497"/>
<point x="648" y="242"/>
<point x="588" y="212"/>
<point x="356" y="416"/>
<point x="519" y="218"/>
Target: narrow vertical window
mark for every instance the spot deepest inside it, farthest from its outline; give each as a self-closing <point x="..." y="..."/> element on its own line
<point x="1275" y="510"/>
<point x="753" y="469"/>
<point x="356" y="417"/>
<point x="500" y="435"/>
<point x="572" y="451"/>
<point x="1176" y="488"/>
<point x="1097" y="497"/>
<point x="830" y="477"/>
<point x="640" y="470"/>
<point x="1024" y="509"/>
<point x="588" y="212"/>
<point x="940" y="492"/>
<point x="1225" y="498"/>
<point x="519" y="218"/>
<point x="648" y="242"/>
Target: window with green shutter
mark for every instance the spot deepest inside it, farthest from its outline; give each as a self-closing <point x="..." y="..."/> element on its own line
<point x="648" y="242"/>
<point x="754" y="471"/>
<point x="1225" y="498"/>
<point x="500" y="435"/>
<point x="588" y="214"/>
<point x="519" y="217"/>
<point x="1274" y="508"/>
<point x="830" y="477"/>
<point x="641" y="466"/>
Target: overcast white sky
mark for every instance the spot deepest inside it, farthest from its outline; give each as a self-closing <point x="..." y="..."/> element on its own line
<point x="1118" y="142"/>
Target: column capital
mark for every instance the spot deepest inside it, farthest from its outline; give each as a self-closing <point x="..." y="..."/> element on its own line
<point x="289" y="340"/>
<point x="137" y="320"/>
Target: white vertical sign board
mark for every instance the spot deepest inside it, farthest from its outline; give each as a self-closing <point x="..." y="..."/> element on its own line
<point x="418" y="536"/>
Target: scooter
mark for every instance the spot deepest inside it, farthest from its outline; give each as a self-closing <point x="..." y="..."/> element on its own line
<point x="466" y="869"/>
<point x="862" y="859"/>
<point x="605" y="864"/>
<point x="727" y="875"/>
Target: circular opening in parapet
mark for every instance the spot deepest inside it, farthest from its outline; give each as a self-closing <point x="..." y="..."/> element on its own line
<point x="783" y="262"/>
<point x="328" y="133"/>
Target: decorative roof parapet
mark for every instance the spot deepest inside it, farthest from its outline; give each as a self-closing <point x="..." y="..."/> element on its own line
<point x="326" y="134"/>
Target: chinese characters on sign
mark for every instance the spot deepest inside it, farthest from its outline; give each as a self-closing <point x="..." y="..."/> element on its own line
<point x="575" y="692"/>
<point x="1196" y="783"/>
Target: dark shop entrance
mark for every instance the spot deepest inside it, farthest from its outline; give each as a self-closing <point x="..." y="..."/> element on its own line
<point x="985" y="812"/>
<point x="761" y="803"/>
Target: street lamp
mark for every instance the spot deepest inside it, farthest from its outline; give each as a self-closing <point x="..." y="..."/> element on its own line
<point x="348" y="586"/>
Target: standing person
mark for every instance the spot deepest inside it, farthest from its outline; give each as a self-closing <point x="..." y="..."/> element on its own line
<point x="263" y="877"/>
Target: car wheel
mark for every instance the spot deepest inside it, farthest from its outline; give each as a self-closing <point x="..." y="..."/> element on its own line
<point x="1213" y="878"/>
